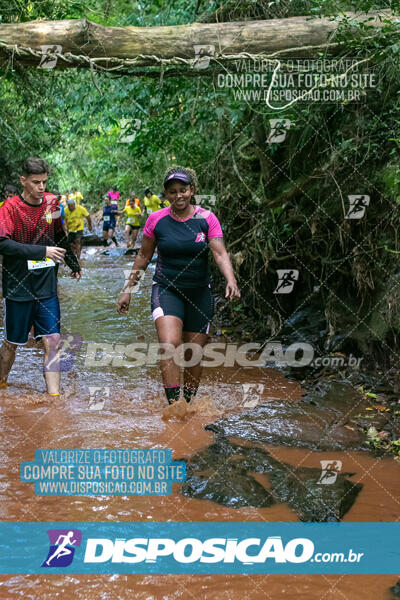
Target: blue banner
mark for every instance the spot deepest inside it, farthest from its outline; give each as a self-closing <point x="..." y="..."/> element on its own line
<point x="195" y="548"/>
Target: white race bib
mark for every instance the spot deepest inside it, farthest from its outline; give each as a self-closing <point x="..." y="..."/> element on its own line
<point x="40" y="264"/>
<point x="107" y="218"/>
<point x="130" y="220"/>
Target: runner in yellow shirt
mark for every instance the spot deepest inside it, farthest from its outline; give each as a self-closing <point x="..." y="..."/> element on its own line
<point x="75" y="195"/>
<point x="74" y="218"/>
<point x="163" y="200"/>
<point x="151" y="201"/>
<point x="133" y="214"/>
<point x="136" y="199"/>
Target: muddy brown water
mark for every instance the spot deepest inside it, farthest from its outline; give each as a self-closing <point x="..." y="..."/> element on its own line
<point x="132" y="417"/>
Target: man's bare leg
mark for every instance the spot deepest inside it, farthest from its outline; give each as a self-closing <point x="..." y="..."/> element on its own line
<point x="52" y="362"/>
<point x="7" y="357"/>
<point x="79" y="249"/>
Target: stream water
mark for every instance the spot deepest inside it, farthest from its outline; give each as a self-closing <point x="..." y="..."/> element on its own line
<point x="132" y="417"/>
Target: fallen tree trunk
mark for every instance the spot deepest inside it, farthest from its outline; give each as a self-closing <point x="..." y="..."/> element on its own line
<point x="81" y="43"/>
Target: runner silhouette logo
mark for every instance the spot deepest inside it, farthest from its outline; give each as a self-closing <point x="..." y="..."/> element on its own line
<point x="62" y="542"/>
<point x="286" y="280"/>
<point x="49" y="56"/>
<point x="357" y="206"/>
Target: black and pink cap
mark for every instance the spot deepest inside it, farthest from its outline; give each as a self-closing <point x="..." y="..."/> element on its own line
<point x="179" y="177"/>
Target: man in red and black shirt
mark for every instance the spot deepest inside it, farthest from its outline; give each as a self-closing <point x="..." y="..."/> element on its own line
<point x="33" y="242"/>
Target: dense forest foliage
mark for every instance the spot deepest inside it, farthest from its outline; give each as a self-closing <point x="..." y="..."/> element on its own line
<point x="282" y="205"/>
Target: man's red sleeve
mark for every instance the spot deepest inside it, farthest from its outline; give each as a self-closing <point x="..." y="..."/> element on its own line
<point x="8" y="246"/>
<point x="6" y="221"/>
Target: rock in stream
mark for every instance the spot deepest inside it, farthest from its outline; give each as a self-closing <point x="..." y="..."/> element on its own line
<point x="222" y="473"/>
<point x="318" y="421"/>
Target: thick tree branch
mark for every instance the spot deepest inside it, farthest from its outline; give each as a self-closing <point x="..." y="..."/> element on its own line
<point x="86" y="44"/>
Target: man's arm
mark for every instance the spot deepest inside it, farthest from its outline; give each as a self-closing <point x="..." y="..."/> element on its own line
<point x="29" y="251"/>
<point x="70" y="258"/>
<point x="89" y="222"/>
<point x="10" y="247"/>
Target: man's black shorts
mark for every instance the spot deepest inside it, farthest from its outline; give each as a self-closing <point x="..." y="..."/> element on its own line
<point x="75" y="236"/>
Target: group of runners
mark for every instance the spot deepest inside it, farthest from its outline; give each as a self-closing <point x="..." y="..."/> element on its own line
<point x="134" y="211"/>
<point x="33" y="241"/>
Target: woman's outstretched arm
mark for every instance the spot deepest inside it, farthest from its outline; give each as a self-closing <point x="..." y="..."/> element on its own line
<point x="141" y="263"/>
<point x="224" y="264"/>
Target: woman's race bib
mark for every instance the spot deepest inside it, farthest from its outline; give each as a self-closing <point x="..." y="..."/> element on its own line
<point x="106" y="218"/>
<point x="131" y="220"/>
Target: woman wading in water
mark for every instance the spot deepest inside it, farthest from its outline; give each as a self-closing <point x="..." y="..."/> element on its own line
<point x="181" y="300"/>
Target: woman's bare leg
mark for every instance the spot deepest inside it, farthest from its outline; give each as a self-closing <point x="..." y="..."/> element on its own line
<point x="192" y="375"/>
<point x="169" y="331"/>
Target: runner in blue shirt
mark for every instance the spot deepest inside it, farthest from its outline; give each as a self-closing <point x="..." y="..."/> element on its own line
<point x="109" y="214"/>
<point x="182" y="303"/>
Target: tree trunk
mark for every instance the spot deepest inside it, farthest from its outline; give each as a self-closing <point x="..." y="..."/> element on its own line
<point x="86" y="44"/>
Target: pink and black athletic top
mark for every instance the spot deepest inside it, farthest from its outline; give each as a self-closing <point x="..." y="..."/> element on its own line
<point x="182" y="246"/>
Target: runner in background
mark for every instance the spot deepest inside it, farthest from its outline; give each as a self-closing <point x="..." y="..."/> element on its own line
<point x="133" y="214"/>
<point x="135" y="198"/>
<point x="109" y="214"/>
<point x="151" y="201"/>
<point x="74" y="219"/>
<point x="114" y="196"/>
<point x="181" y="302"/>
<point x="33" y="242"/>
<point x="75" y="195"/>
<point x="9" y="191"/>
<point x="163" y="200"/>
<point x="62" y="210"/>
